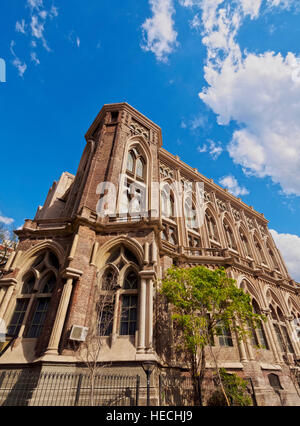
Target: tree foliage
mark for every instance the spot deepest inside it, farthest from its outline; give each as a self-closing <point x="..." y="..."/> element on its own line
<point x="202" y="300"/>
<point x="235" y="388"/>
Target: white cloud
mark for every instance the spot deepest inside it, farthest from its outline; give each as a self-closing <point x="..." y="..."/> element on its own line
<point x="37" y="27"/>
<point x="160" y="36"/>
<point x="34" y="58"/>
<point x="213" y="148"/>
<point x="6" y="220"/>
<point x="21" y="27"/>
<point x="229" y="182"/>
<point x="35" y="4"/>
<point x="258" y="92"/>
<point x="289" y="246"/>
<point x="21" y="66"/>
<point x="38" y="17"/>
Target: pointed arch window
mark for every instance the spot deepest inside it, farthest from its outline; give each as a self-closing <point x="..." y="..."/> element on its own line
<point x="273" y="258"/>
<point x="190" y="214"/>
<point x="121" y="315"/>
<point x="229" y="236"/>
<point x="258" y="333"/>
<point x="245" y="244"/>
<point x="279" y="325"/>
<point x="260" y="252"/>
<point x="130" y="162"/>
<point x="136" y="164"/>
<point x="224" y="334"/>
<point x="32" y="303"/>
<point x="211" y="227"/>
<point x="167" y="203"/>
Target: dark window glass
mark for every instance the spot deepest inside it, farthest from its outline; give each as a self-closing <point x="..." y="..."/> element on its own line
<point x="287" y="339"/>
<point x="129" y="315"/>
<point x="38" y="318"/>
<point x="53" y="260"/>
<point x="279" y="337"/>
<point x="224" y="334"/>
<point x="18" y="316"/>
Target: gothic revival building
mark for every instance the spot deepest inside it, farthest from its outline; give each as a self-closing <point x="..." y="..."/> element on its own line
<point x="111" y="223"/>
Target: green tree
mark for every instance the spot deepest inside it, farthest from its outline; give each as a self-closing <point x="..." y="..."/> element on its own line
<point x="203" y="299"/>
<point x="235" y="388"/>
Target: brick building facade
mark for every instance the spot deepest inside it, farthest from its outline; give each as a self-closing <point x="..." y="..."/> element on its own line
<point x="70" y="247"/>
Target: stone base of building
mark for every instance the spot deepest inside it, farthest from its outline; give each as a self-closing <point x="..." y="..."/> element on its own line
<point x="47" y="383"/>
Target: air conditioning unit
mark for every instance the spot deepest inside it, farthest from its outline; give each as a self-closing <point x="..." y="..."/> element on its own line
<point x="78" y="333"/>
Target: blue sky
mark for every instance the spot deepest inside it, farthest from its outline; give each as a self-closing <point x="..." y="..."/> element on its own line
<point x="221" y="78"/>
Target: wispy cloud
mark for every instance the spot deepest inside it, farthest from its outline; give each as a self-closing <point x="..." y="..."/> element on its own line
<point x="34" y="25"/>
<point x="229" y="182"/>
<point x="74" y="39"/>
<point x="6" y="220"/>
<point x="21" y="66"/>
<point x="21" y="27"/>
<point x="214" y="149"/>
<point x="34" y="58"/>
<point x="160" y="36"/>
<point x="268" y="140"/>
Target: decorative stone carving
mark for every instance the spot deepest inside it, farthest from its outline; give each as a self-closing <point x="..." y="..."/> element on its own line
<point x="138" y="129"/>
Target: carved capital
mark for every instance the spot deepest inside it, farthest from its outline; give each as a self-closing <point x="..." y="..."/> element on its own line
<point x="8" y="282"/>
<point x="72" y="273"/>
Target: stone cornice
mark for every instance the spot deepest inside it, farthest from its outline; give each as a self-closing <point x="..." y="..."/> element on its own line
<point x="197" y="176"/>
<point x="124" y="107"/>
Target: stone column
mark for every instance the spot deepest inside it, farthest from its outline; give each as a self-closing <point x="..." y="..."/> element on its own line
<point x="250" y="349"/>
<point x="70" y="275"/>
<point x="115" y="320"/>
<point x="149" y="340"/>
<point x="10" y="283"/>
<point x="145" y="336"/>
<point x="142" y="317"/>
<point x="242" y="351"/>
<point x="2" y="292"/>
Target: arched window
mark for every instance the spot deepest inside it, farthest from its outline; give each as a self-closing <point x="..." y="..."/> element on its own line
<point x="194" y="242"/>
<point x="211" y="227"/>
<point x="273" y="258"/>
<point x="122" y="294"/>
<point x="190" y="214"/>
<point x="133" y="200"/>
<point x="283" y="338"/>
<point x="130" y="162"/>
<point x="224" y="334"/>
<point x="258" y="333"/>
<point x="245" y="244"/>
<point x="167" y="203"/>
<point x="229" y="236"/>
<point x="136" y="164"/>
<point x="33" y="302"/>
<point x="169" y="234"/>
<point x="140" y="168"/>
<point x="260" y="252"/>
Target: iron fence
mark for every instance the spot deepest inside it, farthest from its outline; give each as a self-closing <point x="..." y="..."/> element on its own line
<point x="176" y="390"/>
<point x="27" y="388"/>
